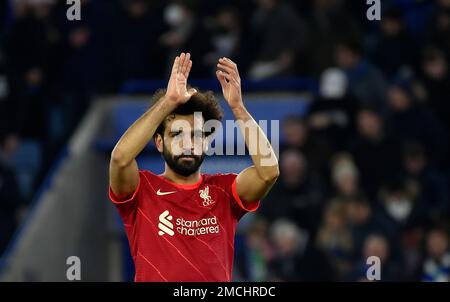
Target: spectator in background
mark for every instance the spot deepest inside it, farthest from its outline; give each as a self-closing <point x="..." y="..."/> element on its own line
<point x="87" y="61"/>
<point x="366" y="82"/>
<point x="439" y="26"/>
<point x="329" y="20"/>
<point x="416" y="14"/>
<point x="227" y="39"/>
<point x="31" y="45"/>
<point x="80" y="77"/>
<point x="363" y="220"/>
<point x="296" y="257"/>
<point x="136" y="51"/>
<point x="401" y="204"/>
<point x="331" y="115"/>
<point x="185" y="31"/>
<point x="180" y="20"/>
<point x="436" y="266"/>
<point x="435" y="75"/>
<point x="375" y="151"/>
<point x="253" y="259"/>
<point x="334" y="237"/>
<point x="394" y="48"/>
<point x="378" y="246"/>
<point x="433" y="186"/>
<point x="345" y="176"/>
<point x="297" y="135"/>
<point x="279" y="36"/>
<point x="299" y="190"/>
<point x="295" y="132"/>
<point x="403" y="116"/>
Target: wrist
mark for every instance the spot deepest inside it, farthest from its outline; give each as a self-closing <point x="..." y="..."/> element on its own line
<point x="238" y="107"/>
<point x="239" y="110"/>
<point x="170" y="101"/>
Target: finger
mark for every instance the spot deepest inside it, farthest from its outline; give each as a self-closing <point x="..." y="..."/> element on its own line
<point x="229" y="78"/>
<point x="184" y="67"/>
<point x="221" y="78"/>
<point x="180" y="65"/>
<point x="192" y="91"/>
<point x="234" y="65"/>
<point x="176" y="62"/>
<point x="228" y="69"/>
<point x="228" y="62"/>
<point x="232" y="80"/>
<point x="186" y="74"/>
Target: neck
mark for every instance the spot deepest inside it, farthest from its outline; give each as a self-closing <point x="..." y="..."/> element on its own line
<point x="174" y="177"/>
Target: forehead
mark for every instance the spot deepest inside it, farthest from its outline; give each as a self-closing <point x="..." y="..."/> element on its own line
<point x="184" y="122"/>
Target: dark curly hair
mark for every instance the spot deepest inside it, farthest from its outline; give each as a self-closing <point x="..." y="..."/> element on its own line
<point x="204" y="102"/>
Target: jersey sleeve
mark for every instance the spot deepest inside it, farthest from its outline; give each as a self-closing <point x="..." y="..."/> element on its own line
<point x="238" y="206"/>
<point x="127" y="207"/>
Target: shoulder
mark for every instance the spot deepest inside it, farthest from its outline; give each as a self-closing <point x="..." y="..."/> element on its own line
<point x="220" y="179"/>
<point x="148" y="178"/>
<point x="147" y="175"/>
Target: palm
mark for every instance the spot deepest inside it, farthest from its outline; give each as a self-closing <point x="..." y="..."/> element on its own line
<point x="177" y="87"/>
<point x="230" y="81"/>
<point x="231" y="94"/>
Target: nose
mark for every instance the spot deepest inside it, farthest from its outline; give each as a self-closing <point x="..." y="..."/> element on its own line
<point x="191" y="145"/>
<point x="188" y="151"/>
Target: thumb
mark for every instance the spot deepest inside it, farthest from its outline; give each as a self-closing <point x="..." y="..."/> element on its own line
<point x="192" y="91"/>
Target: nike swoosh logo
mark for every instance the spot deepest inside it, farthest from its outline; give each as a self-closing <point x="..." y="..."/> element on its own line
<point x="164" y="193"/>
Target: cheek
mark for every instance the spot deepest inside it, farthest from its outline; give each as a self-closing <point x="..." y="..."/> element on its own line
<point x="199" y="146"/>
<point x="166" y="144"/>
<point x="176" y="146"/>
<point x="205" y="145"/>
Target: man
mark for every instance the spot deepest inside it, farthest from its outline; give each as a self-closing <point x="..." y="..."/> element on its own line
<point x="181" y="224"/>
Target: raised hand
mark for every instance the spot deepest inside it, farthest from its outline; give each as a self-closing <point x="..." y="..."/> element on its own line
<point x="228" y="76"/>
<point x="177" y="91"/>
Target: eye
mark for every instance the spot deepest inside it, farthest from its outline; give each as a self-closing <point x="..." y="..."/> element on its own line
<point x="175" y="134"/>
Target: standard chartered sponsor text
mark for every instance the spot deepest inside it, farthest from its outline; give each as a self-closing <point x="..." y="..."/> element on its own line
<point x="197" y="227"/>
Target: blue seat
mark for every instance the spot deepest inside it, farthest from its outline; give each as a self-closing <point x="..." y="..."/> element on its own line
<point x="27" y="163"/>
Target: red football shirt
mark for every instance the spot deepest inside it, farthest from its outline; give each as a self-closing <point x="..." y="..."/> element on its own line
<point x="182" y="232"/>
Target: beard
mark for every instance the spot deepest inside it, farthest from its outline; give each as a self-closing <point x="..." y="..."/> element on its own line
<point x="181" y="166"/>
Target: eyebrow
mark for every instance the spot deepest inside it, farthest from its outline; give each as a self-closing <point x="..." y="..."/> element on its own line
<point x="195" y="131"/>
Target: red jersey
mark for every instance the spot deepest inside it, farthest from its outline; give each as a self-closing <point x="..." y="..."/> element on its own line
<point x="182" y="232"/>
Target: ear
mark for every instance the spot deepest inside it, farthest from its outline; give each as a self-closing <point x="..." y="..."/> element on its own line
<point x="159" y="142"/>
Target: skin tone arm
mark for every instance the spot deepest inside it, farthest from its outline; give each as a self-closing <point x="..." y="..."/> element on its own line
<point x="123" y="169"/>
<point x="254" y="182"/>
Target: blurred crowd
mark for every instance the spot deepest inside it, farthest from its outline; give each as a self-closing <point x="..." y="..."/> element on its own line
<point x="364" y="173"/>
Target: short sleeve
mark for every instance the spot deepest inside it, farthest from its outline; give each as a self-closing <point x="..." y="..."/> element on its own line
<point x="127" y="207"/>
<point x="239" y="208"/>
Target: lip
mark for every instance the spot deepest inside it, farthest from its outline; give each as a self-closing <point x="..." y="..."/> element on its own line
<point x="187" y="158"/>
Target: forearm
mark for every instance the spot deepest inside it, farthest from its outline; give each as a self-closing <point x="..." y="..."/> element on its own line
<point x="134" y="140"/>
<point x="260" y="149"/>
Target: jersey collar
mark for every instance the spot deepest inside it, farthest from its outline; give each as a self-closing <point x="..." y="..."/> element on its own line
<point x="184" y="186"/>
